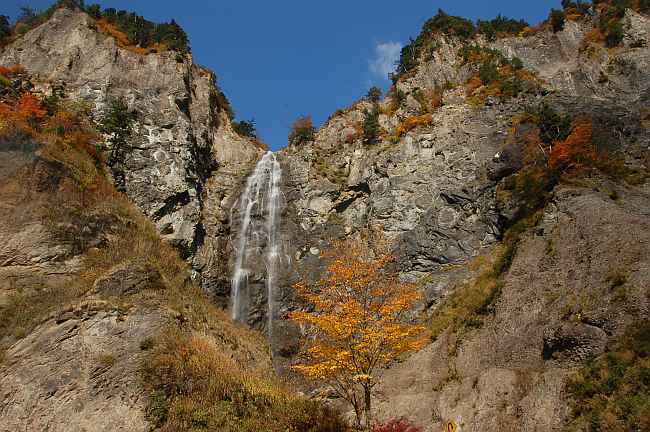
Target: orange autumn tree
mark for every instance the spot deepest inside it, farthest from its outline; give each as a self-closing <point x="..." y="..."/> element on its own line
<point x="359" y="323"/>
<point x="577" y="150"/>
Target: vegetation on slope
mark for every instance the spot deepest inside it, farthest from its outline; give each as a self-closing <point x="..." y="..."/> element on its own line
<point x="196" y="386"/>
<point x="202" y="372"/>
<point x="442" y="23"/>
<point x="612" y="392"/>
<point x="608" y="28"/>
<point x="496" y="75"/>
<point x="129" y="29"/>
<point x="546" y="148"/>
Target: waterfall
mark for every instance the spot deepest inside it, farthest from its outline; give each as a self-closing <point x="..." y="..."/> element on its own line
<point x="259" y="213"/>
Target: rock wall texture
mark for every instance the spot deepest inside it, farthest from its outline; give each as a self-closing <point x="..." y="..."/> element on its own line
<point x="185" y="157"/>
<point x="432" y="191"/>
<point x="510" y="373"/>
<point x="79" y="371"/>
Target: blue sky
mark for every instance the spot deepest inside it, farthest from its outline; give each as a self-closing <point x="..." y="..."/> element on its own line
<point x="276" y="60"/>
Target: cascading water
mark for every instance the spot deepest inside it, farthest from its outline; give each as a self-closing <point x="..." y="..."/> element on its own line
<point x="259" y="213"/>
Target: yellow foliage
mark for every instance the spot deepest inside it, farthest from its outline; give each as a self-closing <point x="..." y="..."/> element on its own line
<point x="360" y="321"/>
<point x="411" y="123"/>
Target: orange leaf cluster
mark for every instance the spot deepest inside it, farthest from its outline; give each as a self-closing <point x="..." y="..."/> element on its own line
<point x="411" y="123"/>
<point x="67" y="136"/>
<point x="11" y="70"/>
<point x="30" y="108"/>
<point x="123" y="40"/>
<point x="111" y="30"/>
<point x="23" y="115"/>
<point x="577" y="150"/>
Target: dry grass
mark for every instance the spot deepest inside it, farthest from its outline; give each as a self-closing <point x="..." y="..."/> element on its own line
<point x="468" y="303"/>
<point x="195" y="385"/>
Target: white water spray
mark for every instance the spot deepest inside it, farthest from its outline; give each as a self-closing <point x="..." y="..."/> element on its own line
<point x="259" y="212"/>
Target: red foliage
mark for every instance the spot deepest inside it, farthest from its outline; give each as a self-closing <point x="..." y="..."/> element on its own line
<point x="396" y="425"/>
<point x="577" y="150"/>
<point x="11" y="71"/>
<point x="30" y="108"/>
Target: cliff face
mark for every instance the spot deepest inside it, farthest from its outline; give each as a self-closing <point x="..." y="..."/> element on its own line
<point x="437" y="191"/>
<point x="185" y="157"/>
<point x="77" y="326"/>
<point x="439" y="181"/>
<point x="434" y="190"/>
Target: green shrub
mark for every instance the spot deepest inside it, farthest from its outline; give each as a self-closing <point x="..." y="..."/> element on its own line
<point x="245" y="128"/>
<point x="441" y="23"/>
<point x="158" y="408"/>
<point x="553" y="126"/>
<point x="5" y="27"/>
<point x="399" y="98"/>
<point x="612" y="392"/>
<point x="491" y="29"/>
<point x="580" y="6"/>
<point x="374" y="94"/>
<point x="141" y="32"/>
<point x="117" y="123"/>
<point x="371" y="127"/>
<point x="558" y="19"/>
<point x="517" y="63"/>
<point x="449" y="25"/>
<point x="489" y="72"/>
<point x="614" y="34"/>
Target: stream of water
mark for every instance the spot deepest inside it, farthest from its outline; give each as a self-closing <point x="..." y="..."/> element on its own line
<point x="259" y="213"/>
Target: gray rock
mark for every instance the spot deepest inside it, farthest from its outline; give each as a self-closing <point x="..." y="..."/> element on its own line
<point x="186" y="161"/>
<point x="129" y="279"/>
<point x="80" y="372"/>
<point x="573" y="341"/>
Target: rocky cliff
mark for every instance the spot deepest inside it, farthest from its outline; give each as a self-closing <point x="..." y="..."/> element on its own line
<point x="531" y="255"/>
<point x="439" y="190"/>
<point x="185" y="160"/>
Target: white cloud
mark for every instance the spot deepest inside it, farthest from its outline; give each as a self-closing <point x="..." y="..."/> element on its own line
<point x="386" y="54"/>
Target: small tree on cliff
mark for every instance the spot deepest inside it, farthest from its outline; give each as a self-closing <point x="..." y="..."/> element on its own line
<point x="117" y="124"/>
<point x="5" y="27"/>
<point x="302" y="131"/>
<point x="358" y="324"/>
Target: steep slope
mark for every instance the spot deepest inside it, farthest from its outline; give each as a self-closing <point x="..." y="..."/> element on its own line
<point x="510" y="173"/>
<point x="185" y="158"/>
<point x="103" y="323"/>
<point x="88" y="288"/>
<point x="451" y="176"/>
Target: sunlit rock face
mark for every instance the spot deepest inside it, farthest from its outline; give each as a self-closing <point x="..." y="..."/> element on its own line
<point x="185" y="159"/>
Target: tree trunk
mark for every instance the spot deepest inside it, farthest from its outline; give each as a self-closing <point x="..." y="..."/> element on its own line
<point x="358" y="414"/>
<point x="367" y="406"/>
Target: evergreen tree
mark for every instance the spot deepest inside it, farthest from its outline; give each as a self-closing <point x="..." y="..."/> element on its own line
<point x="371" y="126"/>
<point x="557" y="20"/>
<point x="245" y="128"/>
<point x="5" y="27"/>
<point x="117" y="123"/>
<point x="374" y="94"/>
